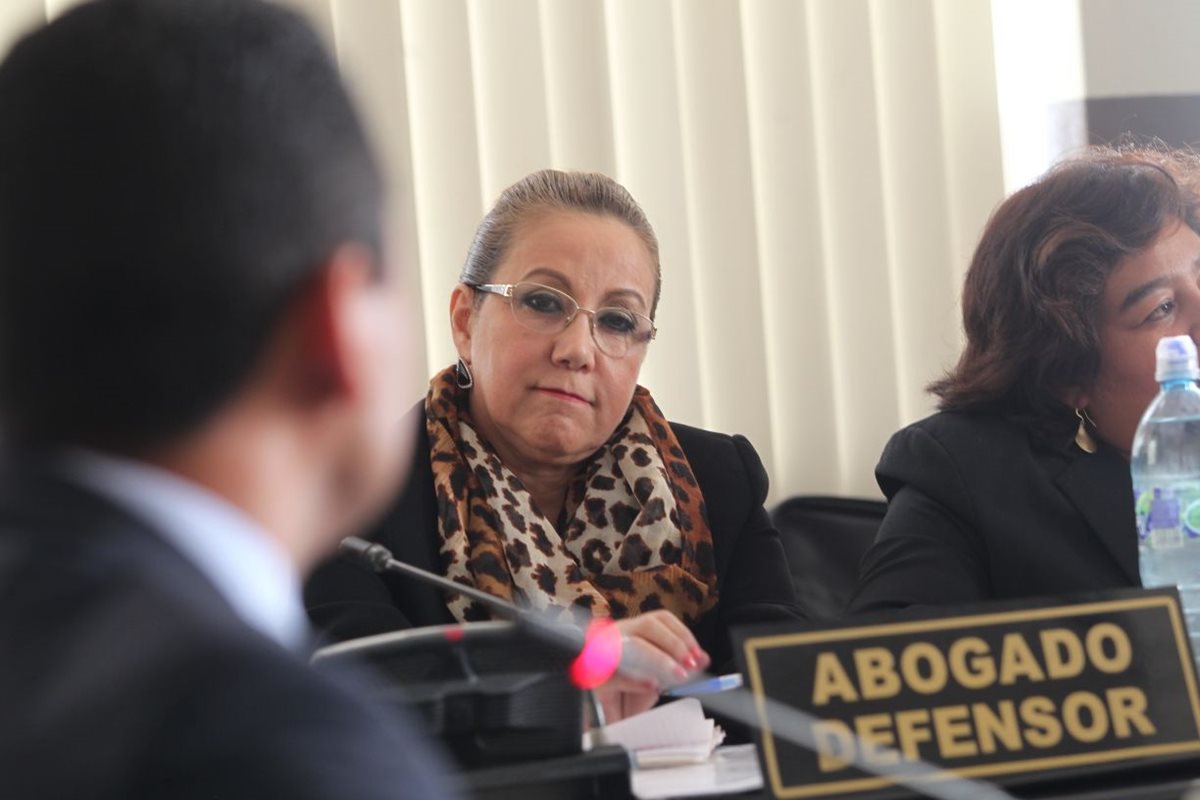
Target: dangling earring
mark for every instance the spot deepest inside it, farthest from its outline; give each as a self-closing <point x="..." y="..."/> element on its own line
<point x="462" y="375"/>
<point x="1083" y="436"/>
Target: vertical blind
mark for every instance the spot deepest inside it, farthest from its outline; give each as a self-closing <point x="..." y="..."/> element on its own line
<point x="817" y="171"/>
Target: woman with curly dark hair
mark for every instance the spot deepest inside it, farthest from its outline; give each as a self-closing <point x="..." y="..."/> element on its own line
<point x="1020" y="485"/>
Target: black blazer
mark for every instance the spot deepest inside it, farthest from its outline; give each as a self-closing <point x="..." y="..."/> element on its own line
<point x="348" y="601"/>
<point x="980" y="507"/>
<point x="125" y="674"/>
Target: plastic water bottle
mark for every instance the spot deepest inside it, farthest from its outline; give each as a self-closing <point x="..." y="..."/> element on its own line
<point x="1165" y="464"/>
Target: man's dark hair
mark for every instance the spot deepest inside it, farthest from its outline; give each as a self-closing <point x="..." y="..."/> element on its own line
<point x="1032" y="295"/>
<point x="172" y="172"/>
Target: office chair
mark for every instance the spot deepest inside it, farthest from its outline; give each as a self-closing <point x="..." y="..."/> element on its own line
<point x="824" y="539"/>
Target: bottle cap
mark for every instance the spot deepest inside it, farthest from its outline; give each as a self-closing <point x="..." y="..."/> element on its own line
<point x="1176" y="357"/>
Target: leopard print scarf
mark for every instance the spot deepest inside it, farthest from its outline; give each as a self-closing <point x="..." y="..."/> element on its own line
<point x="634" y="534"/>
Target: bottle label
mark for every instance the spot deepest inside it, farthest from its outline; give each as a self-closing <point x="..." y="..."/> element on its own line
<point x="1168" y="516"/>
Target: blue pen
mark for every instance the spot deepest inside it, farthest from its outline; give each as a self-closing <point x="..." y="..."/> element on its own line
<point x="721" y="683"/>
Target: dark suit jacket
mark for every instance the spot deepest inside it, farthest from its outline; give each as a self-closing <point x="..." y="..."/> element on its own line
<point x="348" y="601"/>
<point x="980" y="507"/>
<point x="125" y="674"/>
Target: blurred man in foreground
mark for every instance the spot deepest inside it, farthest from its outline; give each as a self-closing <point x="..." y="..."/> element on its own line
<point x="201" y="355"/>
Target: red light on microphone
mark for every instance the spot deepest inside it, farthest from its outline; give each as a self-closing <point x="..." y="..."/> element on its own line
<point x="455" y="634"/>
<point x="600" y="656"/>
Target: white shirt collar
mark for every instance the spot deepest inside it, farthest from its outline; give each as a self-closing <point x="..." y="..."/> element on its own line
<point x="249" y="569"/>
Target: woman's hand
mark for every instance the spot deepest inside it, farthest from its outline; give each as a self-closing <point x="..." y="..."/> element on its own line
<point x="662" y="652"/>
<point x="623" y="697"/>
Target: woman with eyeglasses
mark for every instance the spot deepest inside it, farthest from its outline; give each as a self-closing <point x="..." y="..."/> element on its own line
<point x="546" y="476"/>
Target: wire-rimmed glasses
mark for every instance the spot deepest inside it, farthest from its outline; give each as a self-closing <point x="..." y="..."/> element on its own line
<point x="548" y="310"/>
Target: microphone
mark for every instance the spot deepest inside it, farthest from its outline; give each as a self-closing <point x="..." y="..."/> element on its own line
<point x="596" y="661"/>
<point x="600" y="651"/>
<point x="380" y="559"/>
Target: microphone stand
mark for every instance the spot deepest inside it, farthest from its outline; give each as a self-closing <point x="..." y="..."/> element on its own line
<point x="380" y="559"/>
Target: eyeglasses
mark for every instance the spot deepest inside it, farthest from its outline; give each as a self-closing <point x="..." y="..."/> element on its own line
<point x="547" y="310"/>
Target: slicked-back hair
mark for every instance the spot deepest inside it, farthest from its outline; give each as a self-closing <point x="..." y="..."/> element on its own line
<point x="1032" y="297"/>
<point x="554" y="190"/>
<point x="172" y="172"/>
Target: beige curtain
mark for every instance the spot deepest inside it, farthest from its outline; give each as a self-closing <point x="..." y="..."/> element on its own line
<point x="817" y="172"/>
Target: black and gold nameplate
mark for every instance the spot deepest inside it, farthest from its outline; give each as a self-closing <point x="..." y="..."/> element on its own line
<point x="988" y="695"/>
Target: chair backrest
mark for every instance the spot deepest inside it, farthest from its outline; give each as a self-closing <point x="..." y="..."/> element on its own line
<point x="825" y="538"/>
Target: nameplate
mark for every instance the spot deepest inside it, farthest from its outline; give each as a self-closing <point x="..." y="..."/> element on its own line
<point x="1002" y="695"/>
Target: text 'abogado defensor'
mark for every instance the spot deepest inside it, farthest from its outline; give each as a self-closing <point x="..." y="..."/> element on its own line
<point x="999" y="693"/>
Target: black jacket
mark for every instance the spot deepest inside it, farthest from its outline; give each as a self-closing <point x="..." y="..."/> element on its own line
<point x="348" y="601"/>
<point x="981" y="507"/>
<point x="125" y="674"/>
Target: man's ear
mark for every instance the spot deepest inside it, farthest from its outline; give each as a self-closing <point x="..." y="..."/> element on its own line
<point x="462" y="317"/>
<point x="334" y="321"/>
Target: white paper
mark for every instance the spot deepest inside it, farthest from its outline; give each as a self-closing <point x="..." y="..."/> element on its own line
<point x="731" y="769"/>
<point x="675" y="733"/>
